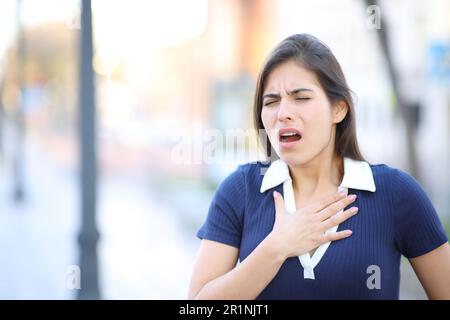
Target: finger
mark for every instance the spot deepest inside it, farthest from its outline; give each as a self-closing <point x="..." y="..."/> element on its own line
<point x="279" y="204"/>
<point x="339" y="218"/>
<point x="326" y="201"/>
<point x="336" y="207"/>
<point x="334" y="236"/>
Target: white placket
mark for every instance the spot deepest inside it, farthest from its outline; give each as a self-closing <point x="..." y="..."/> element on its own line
<point x="308" y="263"/>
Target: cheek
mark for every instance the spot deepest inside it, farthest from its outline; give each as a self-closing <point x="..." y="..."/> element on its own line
<point x="267" y="119"/>
<point x="318" y="121"/>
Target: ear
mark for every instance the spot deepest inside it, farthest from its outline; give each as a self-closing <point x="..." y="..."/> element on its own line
<point x="340" y="110"/>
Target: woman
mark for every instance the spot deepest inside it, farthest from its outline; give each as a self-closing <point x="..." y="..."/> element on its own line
<point x="319" y="222"/>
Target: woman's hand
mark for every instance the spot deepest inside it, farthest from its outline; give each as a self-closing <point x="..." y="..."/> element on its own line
<point x="299" y="232"/>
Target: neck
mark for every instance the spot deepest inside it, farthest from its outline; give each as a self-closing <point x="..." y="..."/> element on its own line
<point x="317" y="176"/>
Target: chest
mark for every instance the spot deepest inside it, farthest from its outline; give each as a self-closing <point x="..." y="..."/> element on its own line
<point x="301" y="202"/>
<point x="373" y="225"/>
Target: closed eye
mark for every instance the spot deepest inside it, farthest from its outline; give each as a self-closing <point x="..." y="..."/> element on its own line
<point x="268" y="103"/>
<point x="300" y="99"/>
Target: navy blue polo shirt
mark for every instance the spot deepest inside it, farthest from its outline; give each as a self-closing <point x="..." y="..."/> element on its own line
<point x="395" y="218"/>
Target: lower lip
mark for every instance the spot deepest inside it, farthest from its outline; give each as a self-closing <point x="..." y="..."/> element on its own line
<point x="289" y="145"/>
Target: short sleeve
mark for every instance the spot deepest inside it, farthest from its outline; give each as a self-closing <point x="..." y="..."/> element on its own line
<point x="418" y="228"/>
<point x="225" y="215"/>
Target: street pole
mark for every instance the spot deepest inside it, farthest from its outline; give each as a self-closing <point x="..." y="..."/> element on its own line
<point x="89" y="234"/>
<point x="19" y="121"/>
<point x="405" y="110"/>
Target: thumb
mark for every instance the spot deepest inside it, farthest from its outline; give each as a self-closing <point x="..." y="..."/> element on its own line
<point x="279" y="204"/>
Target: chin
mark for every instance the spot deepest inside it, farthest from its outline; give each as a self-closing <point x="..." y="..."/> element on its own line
<point x="295" y="159"/>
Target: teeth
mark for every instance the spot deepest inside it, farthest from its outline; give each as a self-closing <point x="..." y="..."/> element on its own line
<point x="289" y="134"/>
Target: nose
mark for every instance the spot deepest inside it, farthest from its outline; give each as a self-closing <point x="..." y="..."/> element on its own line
<point x="284" y="111"/>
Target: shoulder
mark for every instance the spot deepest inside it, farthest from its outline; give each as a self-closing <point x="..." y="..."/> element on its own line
<point x="239" y="186"/>
<point x="395" y="181"/>
<point x="383" y="173"/>
<point x="248" y="173"/>
<point x="246" y="176"/>
<point x="417" y="227"/>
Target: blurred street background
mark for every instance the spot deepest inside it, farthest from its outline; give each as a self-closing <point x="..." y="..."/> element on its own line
<point x="105" y="108"/>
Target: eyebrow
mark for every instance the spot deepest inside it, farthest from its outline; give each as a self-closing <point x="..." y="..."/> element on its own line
<point x="290" y="93"/>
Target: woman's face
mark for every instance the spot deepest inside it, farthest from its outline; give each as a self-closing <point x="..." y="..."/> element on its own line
<point x="297" y="115"/>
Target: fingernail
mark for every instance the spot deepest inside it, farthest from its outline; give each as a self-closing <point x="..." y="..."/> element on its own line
<point x="275" y="194"/>
<point x="352" y="196"/>
<point x="342" y="193"/>
<point x="349" y="232"/>
<point x="354" y="209"/>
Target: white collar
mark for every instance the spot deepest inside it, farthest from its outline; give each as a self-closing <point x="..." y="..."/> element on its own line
<point x="357" y="175"/>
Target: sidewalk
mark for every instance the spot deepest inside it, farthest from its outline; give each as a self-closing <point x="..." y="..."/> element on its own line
<point x="143" y="251"/>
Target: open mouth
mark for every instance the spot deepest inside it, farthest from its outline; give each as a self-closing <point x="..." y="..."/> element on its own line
<point x="289" y="135"/>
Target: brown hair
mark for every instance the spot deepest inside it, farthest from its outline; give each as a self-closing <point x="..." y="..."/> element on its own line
<point x="314" y="55"/>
